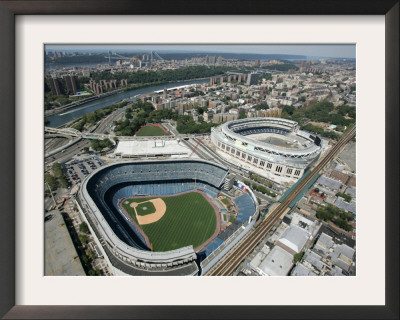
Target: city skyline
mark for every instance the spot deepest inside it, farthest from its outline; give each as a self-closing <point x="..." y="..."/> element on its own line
<point x="309" y="50"/>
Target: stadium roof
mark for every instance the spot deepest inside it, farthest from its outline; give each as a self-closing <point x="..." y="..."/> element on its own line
<point x="152" y="147"/>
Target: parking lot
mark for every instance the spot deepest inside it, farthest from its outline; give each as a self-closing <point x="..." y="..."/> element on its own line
<point x="76" y="171"/>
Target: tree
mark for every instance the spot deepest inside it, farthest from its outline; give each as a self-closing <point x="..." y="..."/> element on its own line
<point x="261" y="106"/>
<point x="242" y="115"/>
<point x="51" y="181"/>
<point x="57" y="169"/>
<point x="346" y="197"/>
<point x="289" y="110"/>
<point x="82" y="238"/>
<point x="83" y="227"/>
<point x="63" y="181"/>
<point x="90" y="254"/>
<point x="297" y="257"/>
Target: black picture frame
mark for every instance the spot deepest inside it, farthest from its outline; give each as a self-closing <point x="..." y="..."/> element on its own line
<point x="8" y="11"/>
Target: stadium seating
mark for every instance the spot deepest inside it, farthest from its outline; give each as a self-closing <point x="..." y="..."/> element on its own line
<point x="246" y="207"/>
<point x="110" y="185"/>
<point x="245" y="131"/>
<point x="212" y="246"/>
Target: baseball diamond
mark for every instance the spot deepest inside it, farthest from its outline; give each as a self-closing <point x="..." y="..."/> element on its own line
<point x="145" y="208"/>
<point x="189" y="219"/>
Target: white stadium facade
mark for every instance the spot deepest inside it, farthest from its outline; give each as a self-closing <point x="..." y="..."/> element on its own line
<point x="275" y="147"/>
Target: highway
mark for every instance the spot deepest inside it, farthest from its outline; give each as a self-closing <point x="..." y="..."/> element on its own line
<point x="77" y="147"/>
<point x="54" y="143"/>
<point x="107" y="122"/>
<point x="234" y="257"/>
<point x="69" y="152"/>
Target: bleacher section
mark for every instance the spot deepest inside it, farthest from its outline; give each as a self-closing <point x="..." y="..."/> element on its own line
<point x="213" y="246"/>
<point x="162" y="188"/>
<point x="163" y="171"/>
<point x="246" y="208"/>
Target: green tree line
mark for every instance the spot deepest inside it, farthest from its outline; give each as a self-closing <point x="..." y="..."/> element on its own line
<point x="185" y="73"/>
<point x="99" y="145"/>
<point x="337" y="216"/>
<point x="58" y="180"/>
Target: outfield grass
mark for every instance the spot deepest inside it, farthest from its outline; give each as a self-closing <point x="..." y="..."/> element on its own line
<point x="150" y="131"/>
<point x="225" y="201"/>
<point x="145" y="208"/>
<point x="189" y="220"/>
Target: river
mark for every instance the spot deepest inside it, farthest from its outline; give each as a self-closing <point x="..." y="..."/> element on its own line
<point x="59" y="119"/>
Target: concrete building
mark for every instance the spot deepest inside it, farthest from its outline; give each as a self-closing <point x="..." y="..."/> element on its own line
<point x="301" y="271"/>
<point x="229" y="181"/>
<point x="223" y="117"/>
<point x="72" y="84"/>
<point x="61" y="258"/>
<point x="252" y="79"/>
<point x="293" y="239"/>
<point x="55" y="86"/>
<point x="277" y="263"/>
<point x="342" y="256"/>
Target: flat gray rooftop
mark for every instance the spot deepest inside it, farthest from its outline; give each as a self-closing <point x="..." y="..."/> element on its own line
<point x="61" y="258"/>
<point x="277" y="263"/>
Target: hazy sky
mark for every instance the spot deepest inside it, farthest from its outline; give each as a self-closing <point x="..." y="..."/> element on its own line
<point x="332" y="50"/>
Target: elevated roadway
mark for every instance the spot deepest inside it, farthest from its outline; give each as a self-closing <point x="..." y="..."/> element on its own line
<point x="98" y="135"/>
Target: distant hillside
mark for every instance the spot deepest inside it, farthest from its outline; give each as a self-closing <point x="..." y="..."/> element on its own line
<point x="239" y="56"/>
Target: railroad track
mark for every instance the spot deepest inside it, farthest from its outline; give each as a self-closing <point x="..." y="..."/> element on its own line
<point x="233" y="258"/>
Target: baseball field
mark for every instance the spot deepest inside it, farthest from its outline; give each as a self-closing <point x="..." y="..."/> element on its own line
<point x="172" y="222"/>
<point x="151" y="131"/>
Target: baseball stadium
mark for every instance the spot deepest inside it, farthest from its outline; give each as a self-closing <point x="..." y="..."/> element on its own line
<point x="275" y="146"/>
<point x="163" y="217"/>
